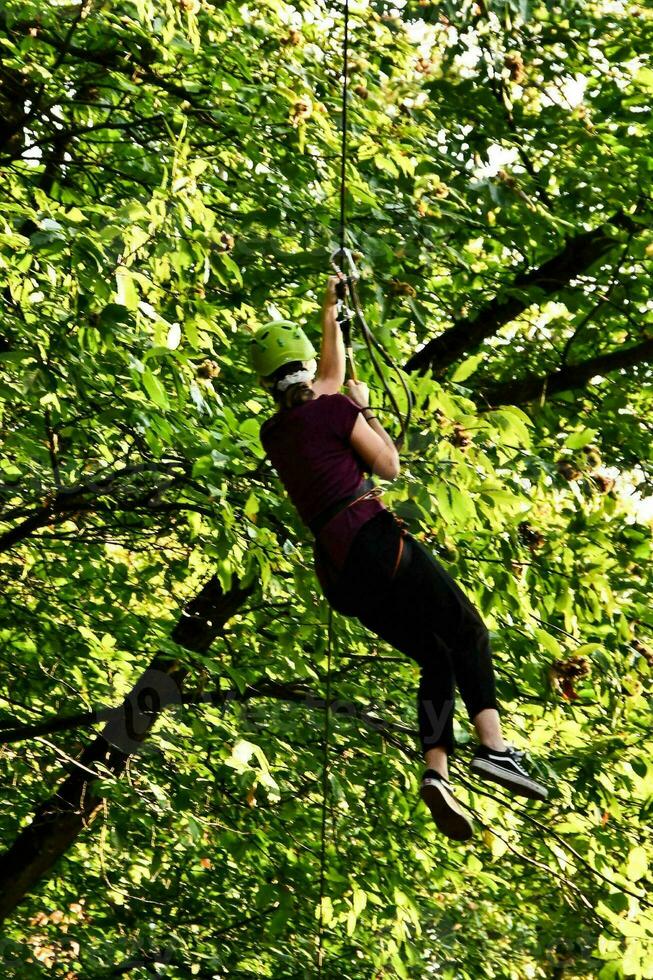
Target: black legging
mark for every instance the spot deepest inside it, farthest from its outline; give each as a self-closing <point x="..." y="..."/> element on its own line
<point x="424" y="614"/>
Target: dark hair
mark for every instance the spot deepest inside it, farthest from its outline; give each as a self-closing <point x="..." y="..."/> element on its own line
<point x="295" y="394"/>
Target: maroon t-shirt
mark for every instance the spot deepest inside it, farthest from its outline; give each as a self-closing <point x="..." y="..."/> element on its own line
<point x="309" y="447"/>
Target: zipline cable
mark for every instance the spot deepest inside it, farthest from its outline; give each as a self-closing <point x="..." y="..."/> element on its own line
<point x="347" y="290"/>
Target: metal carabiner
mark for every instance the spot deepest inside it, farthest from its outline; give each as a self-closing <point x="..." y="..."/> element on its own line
<point x="337" y="257"/>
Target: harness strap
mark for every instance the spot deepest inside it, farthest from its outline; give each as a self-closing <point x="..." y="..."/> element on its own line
<point x="366" y="490"/>
<point x="400" y="555"/>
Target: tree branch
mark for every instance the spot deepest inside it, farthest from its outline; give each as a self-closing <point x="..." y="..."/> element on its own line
<point x="109" y="58"/>
<point x="570" y="377"/>
<point x="59" y="820"/>
<point x="577" y="256"/>
<point x="69" y="499"/>
<point x="291" y="691"/>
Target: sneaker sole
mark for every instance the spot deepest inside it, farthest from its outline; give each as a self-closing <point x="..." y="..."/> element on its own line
<point x="451" y="823"/>
<point x="519" y="785"/>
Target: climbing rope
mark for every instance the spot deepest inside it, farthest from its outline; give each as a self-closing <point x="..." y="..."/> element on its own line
<point x="347" y="281"/>
<point x="325" y="795"/>
<point x="347" y="294"/>
<point x="344" y="132"/>
<point x="344" y="319"/>
<point x="374" y="345"/>
<point x="347" y="291"/>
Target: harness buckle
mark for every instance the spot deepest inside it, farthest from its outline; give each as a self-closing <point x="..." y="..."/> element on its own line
<point x="371" y="494"/>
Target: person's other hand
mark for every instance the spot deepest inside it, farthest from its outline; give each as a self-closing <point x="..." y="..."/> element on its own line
<point x="359" y="392"/>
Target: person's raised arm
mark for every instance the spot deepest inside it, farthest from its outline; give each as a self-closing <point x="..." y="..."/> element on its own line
<point x="330" y="375"/>
<point x="369" y="438"/>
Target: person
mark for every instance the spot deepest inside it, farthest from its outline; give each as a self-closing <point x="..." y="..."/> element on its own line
<point x="322" y="443"/>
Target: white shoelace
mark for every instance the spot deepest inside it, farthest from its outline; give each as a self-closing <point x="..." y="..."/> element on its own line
<point x="518" y="757"/>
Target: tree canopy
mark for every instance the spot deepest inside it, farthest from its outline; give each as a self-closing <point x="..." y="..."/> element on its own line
<point x="170" y="182"/>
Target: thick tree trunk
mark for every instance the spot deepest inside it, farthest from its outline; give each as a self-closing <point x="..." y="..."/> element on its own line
<point x="59" y="820"/>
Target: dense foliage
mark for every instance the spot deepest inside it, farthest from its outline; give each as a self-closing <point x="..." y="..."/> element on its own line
<point x="169" y="182"/>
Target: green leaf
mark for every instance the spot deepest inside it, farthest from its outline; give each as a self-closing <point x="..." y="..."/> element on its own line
<point x="115" y="314"/>
<point x="467" y="368"/>
<point x="579" y="439"/>
<point x="637" y="864"/>
<point x="549" y="642"/>
<point x="155" y="389"/>
<point x="231" y="267"/>
<point x="173" y="337"/>
<point x="126" y="292"/>
<point x="512" y="425"/>
<point x="324" y="910"/>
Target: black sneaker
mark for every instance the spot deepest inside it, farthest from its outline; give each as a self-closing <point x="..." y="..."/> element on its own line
<point x="438" y="795"/>
<point x="507" y="769"/>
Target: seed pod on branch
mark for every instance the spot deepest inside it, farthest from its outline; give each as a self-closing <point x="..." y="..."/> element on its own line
<point x="565" y="673"/>
<point x="208" y="369"/>
<point x="294" y="37"/>
<point x="568" y="470"/>
<point x="514" y="62"/>
<point x="460" y="437"/>
<point x="604" y="484"/>
<point x="592" y="456"/>
<point x="302" y="109"/>
<point x="399" y="288"/>
<point x="448" y="551"/>
<point x="530" y="536"/>
<point x="424" y="66"/>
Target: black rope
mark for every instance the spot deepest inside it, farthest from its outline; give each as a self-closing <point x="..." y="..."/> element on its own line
<point x="373" y="346"/>
<point x="344" y="313"/>
<point x="325" y="796"/>
<point x="344" y="133"/>
<point x="346" y="287"/>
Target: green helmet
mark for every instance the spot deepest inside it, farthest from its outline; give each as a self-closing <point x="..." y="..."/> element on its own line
<point x="278" y="343"/>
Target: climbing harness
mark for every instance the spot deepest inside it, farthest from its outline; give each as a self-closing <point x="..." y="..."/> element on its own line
<point x="366" y="490"/>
